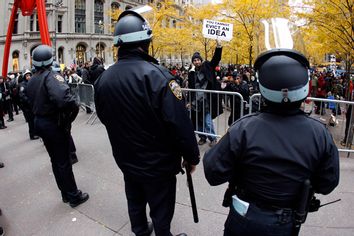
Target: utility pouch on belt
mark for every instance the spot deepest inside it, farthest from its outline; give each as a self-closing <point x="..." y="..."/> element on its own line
<point x="239" y="205"/>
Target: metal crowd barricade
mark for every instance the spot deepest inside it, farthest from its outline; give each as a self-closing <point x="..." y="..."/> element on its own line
<point x="74" y="89"/>
<point x="332" y="113"/>
<point x="85" y="94"/>
<point x="200" y="106"/>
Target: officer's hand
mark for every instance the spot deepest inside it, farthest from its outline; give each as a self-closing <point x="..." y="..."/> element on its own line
<point x="191" y="167"/>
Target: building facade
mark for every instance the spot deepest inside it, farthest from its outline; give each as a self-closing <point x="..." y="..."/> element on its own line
<point x="79" y="29"/>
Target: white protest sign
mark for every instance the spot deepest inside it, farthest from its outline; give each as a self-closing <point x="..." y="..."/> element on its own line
<point x="217" y="30"/>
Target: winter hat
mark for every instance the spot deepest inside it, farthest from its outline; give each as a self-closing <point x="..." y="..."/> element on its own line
<point x="196" y="55"/>
<point x="11" y="76"/>
<point x="27" y="72"/>
<point x="97" y="61"/>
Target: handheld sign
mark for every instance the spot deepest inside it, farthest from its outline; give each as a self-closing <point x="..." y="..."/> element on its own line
<point x="217" y="30"/>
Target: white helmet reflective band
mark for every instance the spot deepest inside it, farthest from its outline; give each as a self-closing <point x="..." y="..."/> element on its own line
<point x="42" y="63"/>
<point x="132" y="37"/>
<point x="279" y="96"/>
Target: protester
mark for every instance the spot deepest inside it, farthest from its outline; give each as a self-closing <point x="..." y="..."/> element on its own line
<point x="205" y="107"/>
<point x="2" y="103"/>
<point x="96" y="69"/>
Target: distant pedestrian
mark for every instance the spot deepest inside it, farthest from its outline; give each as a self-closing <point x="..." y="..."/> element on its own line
<point x="26" y="106"/>
<point x="8" y="98"/>
<point x="2" y="103"/>
<point x="96" y="69"/>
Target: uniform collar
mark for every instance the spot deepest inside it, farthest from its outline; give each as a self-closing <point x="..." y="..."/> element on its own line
<point x="135" y="53"/>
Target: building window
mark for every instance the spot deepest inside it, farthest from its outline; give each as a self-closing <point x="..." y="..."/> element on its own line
<point x="15" y="61"/>
<point x="32" y="23"/>
<point x="15" y="31"/>
<point x="61" y="55"/>
<point x="37" y="23"/>
<point x="115" y="6"/>
<point x="80" y="54"/>
<point x="98" y="17"/>
<point x="114" y="18"/>
<point x="80" y="16"/>
<point x="60" y="23"/>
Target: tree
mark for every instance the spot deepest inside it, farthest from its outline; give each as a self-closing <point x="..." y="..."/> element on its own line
<point x="246" y="16"/>
<point x="193" y="23"/>
<point x="330" y="28"/>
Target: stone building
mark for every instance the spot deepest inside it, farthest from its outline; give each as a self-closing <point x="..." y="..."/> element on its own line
<point x="79" y="30"/>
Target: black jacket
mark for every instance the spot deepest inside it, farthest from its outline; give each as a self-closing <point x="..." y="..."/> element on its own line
<point x="49" y="95"/>
<point x="95" y="71"/>
<point x="270" y="155"/>
<point x="24" y="100"/>
<point x="85" y="75"/>
<point x="235" y="101"/>
<point x="208" y="69"/>
<point x="148" y="126"/>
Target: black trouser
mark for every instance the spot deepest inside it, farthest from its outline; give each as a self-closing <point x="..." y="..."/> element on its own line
<point x="8" y="108"/>
<point x="161" y="197"/>
<point x="30" y="120"/>
<point x="57" y="142"/>
<point x="15" y="104"/>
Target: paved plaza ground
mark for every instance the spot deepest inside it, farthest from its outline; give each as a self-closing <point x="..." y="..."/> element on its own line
<point x="31" y="203"/>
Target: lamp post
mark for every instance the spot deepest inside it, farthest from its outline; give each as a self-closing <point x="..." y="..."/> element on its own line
<point x="100" y="26"/>
<point x="58" y="4"/>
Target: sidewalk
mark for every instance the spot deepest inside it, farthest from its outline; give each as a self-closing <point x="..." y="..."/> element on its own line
<point x="31" y="203"/>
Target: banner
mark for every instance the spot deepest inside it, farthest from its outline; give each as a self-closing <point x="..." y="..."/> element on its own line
<point x="217" y="30"/>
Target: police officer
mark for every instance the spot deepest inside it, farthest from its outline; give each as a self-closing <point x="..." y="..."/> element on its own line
<point x="73" y="157"/>
<point x="269" y="155"/>
<point x="26" y="106"/>
<point x="54" y="109"/>
<point x="142" y="107"/>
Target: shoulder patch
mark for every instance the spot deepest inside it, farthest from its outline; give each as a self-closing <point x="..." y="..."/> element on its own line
<point x="59" y="78"/>
<point x="176" y="89"/>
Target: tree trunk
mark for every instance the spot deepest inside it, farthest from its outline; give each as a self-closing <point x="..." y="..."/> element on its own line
<point x="152" y="50"/>
<point x="182" y="58"/>
<point x="250" y="55"/>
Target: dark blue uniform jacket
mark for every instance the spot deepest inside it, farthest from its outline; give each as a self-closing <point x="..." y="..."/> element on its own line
<point x="270" y="156"/>
<point x="49" y="95"/>
<point x="148" y="126"/>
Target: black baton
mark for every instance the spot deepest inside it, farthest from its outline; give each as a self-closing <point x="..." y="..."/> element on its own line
<point x="191" y="194"/>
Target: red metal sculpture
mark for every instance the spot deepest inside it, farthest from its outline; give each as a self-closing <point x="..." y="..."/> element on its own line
<point x="27" y="7"/>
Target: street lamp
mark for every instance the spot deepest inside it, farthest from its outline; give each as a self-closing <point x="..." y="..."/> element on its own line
<point x="58" y="4"/>
<point x="100" y="26"/>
